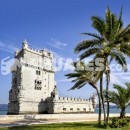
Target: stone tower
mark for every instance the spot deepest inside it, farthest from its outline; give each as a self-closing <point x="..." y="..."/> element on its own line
<point x="32" y="81"/>
<point x="34" y="89"/>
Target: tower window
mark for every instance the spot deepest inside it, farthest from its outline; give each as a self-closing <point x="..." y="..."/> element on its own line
<point x="64" y="109"/>
<point x="49" y="54"/>
<point x="38" y="72"/>
<point x="38" y="88"/>
<point x="78" y="109"/>
<point x="71" y="109"/>
<point x="84" y="109"/>
<point x="15" y="81"/>
<point x="26" y="64"/>
<point x="38" y="84"/>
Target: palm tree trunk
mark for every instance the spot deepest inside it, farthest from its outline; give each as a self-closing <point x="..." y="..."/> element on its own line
<point x="102" y="98"/>
<point x="108" y="111"/>
<point x="122" y="114"/>
<point x="107" y="89"/>
<point x="99" y="100"/>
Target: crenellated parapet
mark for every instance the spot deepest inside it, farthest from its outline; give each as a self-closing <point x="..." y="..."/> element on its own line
<point x="44" y="52"/>
<point x="70" y="99"/>
<point x="55" y="98"/>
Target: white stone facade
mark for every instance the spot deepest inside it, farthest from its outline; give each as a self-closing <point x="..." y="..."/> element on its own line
<point x="34" y="89"/>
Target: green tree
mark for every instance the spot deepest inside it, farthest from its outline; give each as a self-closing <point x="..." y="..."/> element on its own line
<point x="81" y="76"/>
<point x="121" y="98"/>
<point x="111" y="42"/>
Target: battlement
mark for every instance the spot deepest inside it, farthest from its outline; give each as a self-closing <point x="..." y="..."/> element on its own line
<point x="43" y="52"/>
<point x="71" y="99"/>
<point x="34" y="50"/>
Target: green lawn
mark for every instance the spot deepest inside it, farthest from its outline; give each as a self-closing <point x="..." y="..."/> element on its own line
<point x="63" y="126"/>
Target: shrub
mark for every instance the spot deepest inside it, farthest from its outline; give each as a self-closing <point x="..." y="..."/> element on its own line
<point x="118" y="122"/>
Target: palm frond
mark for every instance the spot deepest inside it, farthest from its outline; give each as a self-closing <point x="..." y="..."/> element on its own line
<point x="94" y="35"/>
<point x="89" y="52"/>
<point x="121" y="97"/>
<point x="99" y="24"/>
<point x="119" y="58"/>
<point x="120" y="16"/>
<point x="123" y="33"/>
<point x="111" y="25"/>
<point x="120" y="19"/>
<point x="86" y="44"/>
<point x="125" y="49"/>
<point x="79" y="84"/>
<point x="72" y="75"/>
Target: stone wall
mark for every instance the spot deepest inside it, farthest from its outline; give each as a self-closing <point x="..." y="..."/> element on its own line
<point x="72" y="105"/>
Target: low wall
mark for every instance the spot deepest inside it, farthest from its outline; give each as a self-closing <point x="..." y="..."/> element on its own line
<point x="88" y="116"/>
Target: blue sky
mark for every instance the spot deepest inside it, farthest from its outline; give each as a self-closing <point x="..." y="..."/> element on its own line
<point x="55" y="24"/>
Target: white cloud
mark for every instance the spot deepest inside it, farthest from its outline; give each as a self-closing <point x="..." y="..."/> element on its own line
<point x="8" y="47"/>
<point x="125" y="76"/>
<point x="12" y="47"/>
<point x="64" y="80"/>
<point x="10" y="51"/>
<point x="58" y="56"/>
<point x="116" y="79"/>
<point x="57" y="44"/>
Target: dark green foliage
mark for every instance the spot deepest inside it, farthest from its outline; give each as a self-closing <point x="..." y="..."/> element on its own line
<point x="111" y="39"/>
<point x="120" y="97"/>
<point x="118" y="122"/>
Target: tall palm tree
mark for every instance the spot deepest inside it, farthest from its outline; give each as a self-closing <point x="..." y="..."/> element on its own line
<point x="81" y="76"/>
<point x="121" y="98"/>
<point x="111" y="42"/>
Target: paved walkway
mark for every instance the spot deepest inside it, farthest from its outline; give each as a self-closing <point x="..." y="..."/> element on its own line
<point x="7" y="123"/>
<point x="19" y="120"/>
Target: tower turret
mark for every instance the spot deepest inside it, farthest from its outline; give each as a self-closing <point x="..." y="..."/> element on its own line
<point x="25" y="44"/>
<point x="55" y="94"/>
<point x="94" y="101"/>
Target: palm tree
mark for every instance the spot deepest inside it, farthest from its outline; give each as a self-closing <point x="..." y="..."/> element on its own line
<point x="81" y="76"/>
<point x="111" y="42"/>
<point x="121" y="98"/>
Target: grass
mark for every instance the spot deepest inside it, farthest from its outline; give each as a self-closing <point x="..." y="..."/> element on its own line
<point x="64" y="126"/>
